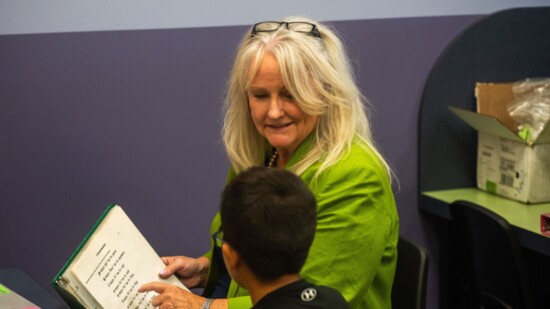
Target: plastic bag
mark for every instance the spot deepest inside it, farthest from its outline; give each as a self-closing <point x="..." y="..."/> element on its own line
<point x="531" y="108"/>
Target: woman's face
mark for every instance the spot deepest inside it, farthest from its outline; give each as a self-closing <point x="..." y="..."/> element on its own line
<point x="275" y="113"/>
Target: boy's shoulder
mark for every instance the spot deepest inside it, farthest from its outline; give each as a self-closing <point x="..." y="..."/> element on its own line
<point x="303" y="294"/>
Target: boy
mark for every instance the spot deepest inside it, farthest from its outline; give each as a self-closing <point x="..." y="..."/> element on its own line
<point x="268" y="220"/>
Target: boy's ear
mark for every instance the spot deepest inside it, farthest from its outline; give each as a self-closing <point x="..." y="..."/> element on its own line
<point x="232" y="258"/>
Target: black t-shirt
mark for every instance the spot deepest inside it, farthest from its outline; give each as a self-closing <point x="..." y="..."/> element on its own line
<point x="302" y="294"/>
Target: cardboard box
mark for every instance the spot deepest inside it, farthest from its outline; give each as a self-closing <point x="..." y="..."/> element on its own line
<point x="506" y="164"/>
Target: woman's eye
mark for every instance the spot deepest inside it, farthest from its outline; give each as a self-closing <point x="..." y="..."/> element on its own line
<point x="287" y="96"/>
<point x="260" y="96"/>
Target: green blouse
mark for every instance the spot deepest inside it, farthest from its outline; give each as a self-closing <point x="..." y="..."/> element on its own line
<point x="355" y="245"/>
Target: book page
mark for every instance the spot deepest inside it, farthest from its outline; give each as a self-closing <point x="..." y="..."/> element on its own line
<point x="115" y="261"/>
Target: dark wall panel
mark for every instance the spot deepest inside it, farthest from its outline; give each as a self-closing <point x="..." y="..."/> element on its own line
<point x="133" y="117"/>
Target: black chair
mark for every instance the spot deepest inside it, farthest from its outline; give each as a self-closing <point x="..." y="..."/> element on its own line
<point x="411" y="275"/>
<point x="494" y="270"/>
<point x="505" y="46"/>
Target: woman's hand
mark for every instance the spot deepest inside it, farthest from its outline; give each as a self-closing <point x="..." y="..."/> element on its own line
<point x="171" y="296"/>
<point x="191" y="272"/>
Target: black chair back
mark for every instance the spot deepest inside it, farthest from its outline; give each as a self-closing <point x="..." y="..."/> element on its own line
<point x="491" y="257"/>
<point x="411" y="276"/>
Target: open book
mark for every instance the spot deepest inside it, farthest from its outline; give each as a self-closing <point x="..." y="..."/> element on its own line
<point x="110" y="265"/>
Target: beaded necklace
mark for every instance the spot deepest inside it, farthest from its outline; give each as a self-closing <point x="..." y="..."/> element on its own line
<point x="273" y="160"/>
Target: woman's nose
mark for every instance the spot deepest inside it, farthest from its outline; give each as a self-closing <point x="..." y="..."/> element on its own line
<point x="275" y="108"/>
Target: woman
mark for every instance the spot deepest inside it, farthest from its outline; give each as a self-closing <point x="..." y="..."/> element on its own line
<point x="292" y="103"/>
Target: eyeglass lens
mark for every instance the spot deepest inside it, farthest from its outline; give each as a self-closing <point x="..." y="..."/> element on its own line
<point x="300" y="27"/>
<point x="269" y="26"/>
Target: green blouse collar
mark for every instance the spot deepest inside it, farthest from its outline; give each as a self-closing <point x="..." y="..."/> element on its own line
<point x="302" y="150"/>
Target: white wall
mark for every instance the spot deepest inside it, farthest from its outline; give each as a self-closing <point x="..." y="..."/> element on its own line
<point x="43" y="16"/>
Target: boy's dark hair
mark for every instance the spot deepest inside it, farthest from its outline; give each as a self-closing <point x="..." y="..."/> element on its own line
<point x="269" y="217"/>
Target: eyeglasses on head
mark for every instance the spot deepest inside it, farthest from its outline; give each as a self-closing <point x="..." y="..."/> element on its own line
<point x="296" y="26"/>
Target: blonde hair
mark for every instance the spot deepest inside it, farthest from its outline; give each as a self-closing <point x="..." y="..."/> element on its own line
<point x="317" y="72"/>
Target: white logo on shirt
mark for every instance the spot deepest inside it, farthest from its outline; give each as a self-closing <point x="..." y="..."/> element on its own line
<point x="309" y="294"/>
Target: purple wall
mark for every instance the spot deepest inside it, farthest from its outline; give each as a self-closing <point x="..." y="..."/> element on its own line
<point x="133" y="117"/>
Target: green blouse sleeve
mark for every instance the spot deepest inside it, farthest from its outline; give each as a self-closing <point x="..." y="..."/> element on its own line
<point x="239" y="302"/>
<point x="354" y="250"/>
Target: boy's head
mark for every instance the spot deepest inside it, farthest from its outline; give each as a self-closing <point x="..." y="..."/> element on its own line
<point x="268" y="218"/>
